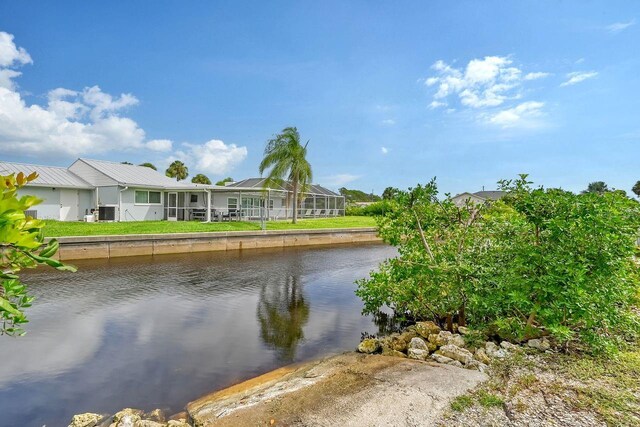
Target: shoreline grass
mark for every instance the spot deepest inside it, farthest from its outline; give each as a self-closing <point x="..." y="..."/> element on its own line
<point x="65" y="229"/>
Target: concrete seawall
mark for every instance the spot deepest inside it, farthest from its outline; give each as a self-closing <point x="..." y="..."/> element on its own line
<point x="87" y="247"/>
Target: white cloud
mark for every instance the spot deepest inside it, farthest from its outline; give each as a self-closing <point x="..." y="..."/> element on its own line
<point x="384" y="150"/>
<point x="522" y="115"/>
<point x="10" y="54"/>
<point x="486" y="82"/>
<point x="619" y="26"/>
<point x="159" y="145"/>
<point x="339" y="180"/>
<point x="71" y="124"/>
<point x="388" y="122"/>
<point x="579" y="76"/>
<point x="536" y="75"/>
<point x="214" y="156"/>
<point x="437" y="104"/>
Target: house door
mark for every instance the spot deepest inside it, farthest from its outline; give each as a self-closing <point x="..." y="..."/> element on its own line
<point x="68" y="204"/>
<point x="172" y="207"/>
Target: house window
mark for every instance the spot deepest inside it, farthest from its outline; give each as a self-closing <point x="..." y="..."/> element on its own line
<point x="194" y="198"/>
<point x="270" y="203"/>
<point x="144" y="197"/>
<point x="232" y="203"/>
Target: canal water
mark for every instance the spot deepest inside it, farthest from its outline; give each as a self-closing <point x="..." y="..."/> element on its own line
<point x="150" y="332"/>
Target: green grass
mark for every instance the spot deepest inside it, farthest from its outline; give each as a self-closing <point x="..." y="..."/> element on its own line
<point x="59" y="229"/>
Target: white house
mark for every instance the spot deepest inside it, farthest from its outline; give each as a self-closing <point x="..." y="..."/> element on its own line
<point x="122" y="192"/>
<point x="477" y="197"/>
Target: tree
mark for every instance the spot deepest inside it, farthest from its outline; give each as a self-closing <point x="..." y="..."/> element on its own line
<point x="126" y="163"/>
<point x="598" y="187"/>
<point x="286" y="156"/>
<point x="537" y="262"/>
<point x="389" y="193"/>
<point x="201" y="179"/>
<point x="224" y="181"/>
<point x="149" y="165"/>
<point x="21" y="246"/>
<point x="177" y="170"/>
<point x="636" y="188"/>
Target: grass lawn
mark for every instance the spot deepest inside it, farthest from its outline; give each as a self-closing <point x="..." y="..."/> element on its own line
<point x="59" y="229"/>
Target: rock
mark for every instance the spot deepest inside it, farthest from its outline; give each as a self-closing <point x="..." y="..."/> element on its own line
<point x="463" y="330"/>
<point x="440" y="339"/>
<point x="427" y="328"/>
<point x="401" y="342"/>
<point x="128" y="417"/>
<point x="456" y="364"/>
<point x="418" y="344"/>
<point x="456" y="340"/>
<point x="539" y="344"/>
<point x="369" y="346"/>
<point x="441" y="359"/>
<point x="494" y="351"/>
<point x="178" y="423"/>
<point x="149" y="423"/>
<point x="156" y="415"/>
<point x="454" y="352"/>
<point x="85" y="420"/>
<point x="418" y="354"/>
<point x="386" y="351"/>
<point x="478" y="366"/>
<point x="508" y="346"/>
<point x="481" y="356"/>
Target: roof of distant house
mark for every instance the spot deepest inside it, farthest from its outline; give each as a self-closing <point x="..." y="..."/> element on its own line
<point x="133" y="175"/>
<point x="490" y="195"/>
<point x="48" y="176"/>
<point x="259" y="183"/>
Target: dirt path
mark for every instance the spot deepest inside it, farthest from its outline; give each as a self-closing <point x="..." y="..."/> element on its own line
<point x="348" y="390"/>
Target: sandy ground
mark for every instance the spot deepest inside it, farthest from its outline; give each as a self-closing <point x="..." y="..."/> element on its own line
<point x="347" y="390"/>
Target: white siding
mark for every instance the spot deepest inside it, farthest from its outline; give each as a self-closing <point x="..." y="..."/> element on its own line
<point x="108" y="196"/>
<point x="130" y="211"/>
<point x="90" y="174"/>
<point x="50" y="206"/>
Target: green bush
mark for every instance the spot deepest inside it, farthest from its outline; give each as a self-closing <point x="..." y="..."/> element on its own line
<point x="21" y="246"/>
<point x="374" y="209"/>
<point x="537" y="262"/>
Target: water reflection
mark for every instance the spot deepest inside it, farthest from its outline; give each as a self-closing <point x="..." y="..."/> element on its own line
<point x="160" y="331"/>
<point x="282" y="313"/>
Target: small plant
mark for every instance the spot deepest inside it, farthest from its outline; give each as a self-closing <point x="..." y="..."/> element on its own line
<point x="21" y="246"/>
<point x="462" y="403"/>
<point x="489" y="400"/>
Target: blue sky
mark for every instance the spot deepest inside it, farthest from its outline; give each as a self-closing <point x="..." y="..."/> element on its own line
<point x="388" y="93"/>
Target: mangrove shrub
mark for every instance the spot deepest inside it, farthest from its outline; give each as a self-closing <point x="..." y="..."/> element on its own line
<point x="537" y="262"/>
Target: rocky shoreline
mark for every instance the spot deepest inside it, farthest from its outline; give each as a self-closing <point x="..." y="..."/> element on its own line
<point x="427" y="341"/>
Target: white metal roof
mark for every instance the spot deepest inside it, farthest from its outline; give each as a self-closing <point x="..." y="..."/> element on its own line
<point x="259" y="182"/>
<point x="138" y="176"/>
<point x="48" y="176"/>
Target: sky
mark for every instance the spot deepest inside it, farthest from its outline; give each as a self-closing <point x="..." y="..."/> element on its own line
<point x="387" y="93"/>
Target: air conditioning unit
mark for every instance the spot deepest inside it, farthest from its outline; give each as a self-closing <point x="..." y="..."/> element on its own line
<point x="107" y="213"/>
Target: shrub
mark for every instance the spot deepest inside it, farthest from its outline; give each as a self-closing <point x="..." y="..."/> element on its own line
<point x="378" y="208"/>
<point x="21" y="246"/>
<point x="537" y="262"/>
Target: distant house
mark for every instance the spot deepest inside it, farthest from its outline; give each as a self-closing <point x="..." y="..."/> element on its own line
<point x="477" y="197"/>
<point x="123" y="192"/>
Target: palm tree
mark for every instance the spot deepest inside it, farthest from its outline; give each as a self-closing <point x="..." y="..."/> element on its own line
<point x="177" y="170"/>
<point x="148" y="165"/>
<point x="287" y="157"/>
<point x="201" y="179"/>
